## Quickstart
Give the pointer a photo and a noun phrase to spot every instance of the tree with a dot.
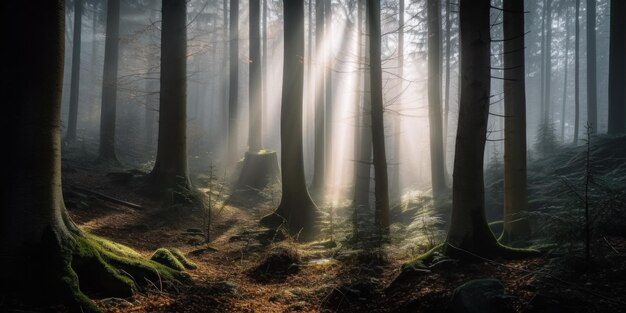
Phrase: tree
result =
(397, 123)
(296, 208)
(468, 228)
(547, 54)
(617, 69)
(363, 169)
(255, 129)
(515, 189)
(565, 77)
(592, 87)
(170, 169)
(233, 90)
(381, 191)
(109, 85)
(577, 73)
(319, 161)
(43, 251)
(437, 163)
(72, 120)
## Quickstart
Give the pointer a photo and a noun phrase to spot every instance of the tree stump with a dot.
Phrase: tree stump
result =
(259, 169)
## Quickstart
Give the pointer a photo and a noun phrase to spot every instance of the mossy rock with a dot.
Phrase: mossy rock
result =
(172, 258)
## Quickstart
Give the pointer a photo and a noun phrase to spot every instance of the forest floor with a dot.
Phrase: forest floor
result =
(327, 278)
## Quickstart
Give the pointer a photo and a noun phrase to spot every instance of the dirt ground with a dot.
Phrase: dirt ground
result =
(328, 279)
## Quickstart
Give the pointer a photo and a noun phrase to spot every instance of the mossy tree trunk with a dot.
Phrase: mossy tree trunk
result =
(109, 85)
(515, 190)
(381, 190)
(296, 207)
(43, 253)
(468, 228)
(170, 170)
(72, 120)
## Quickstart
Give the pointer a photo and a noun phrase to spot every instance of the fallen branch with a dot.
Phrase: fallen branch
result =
(108, 198)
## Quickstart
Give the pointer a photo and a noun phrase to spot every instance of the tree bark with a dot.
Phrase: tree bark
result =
(434, 100)
(547, 96)
(109, 85)
(565, 77)
(233, 88)
(397, 122)
(255, 127)
(364, 157)
(617, 69)
(577, 74)
(446, 110)
(74, 87)
(468, 228)
(516, 227)
(319, 161)
(296, 207)
(381, 191)
(592, 85)
(170, 169)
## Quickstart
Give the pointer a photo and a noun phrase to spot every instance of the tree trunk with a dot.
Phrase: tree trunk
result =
(397, 123)
(468, 228)
(319, 162)
(74, 88)
(255, 127)
(44, 250)
(233, 88)
(446, 110)
(543, 61)
(547, 96)
(329, 63)
(381, 192)
(577, 74)
(434, 100)
(364, 158)
(296, 207)
(516, 227)
(170, 170)
(567, 40)
(592, 85)
(109, 85)
(617, 69)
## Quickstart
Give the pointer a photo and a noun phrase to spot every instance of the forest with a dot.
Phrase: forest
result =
(461, 156)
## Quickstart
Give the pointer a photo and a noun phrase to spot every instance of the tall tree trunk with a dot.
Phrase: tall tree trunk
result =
(264, 82)
(329, 64)
(577, 73)
(592, 84)
(255, 128)
(74, 88)
(544, 10)
(296, 207)
(547, 96)
(434, 100)
(170, 169)
(109, 84)
(515, 189)
(233, 88)
(468, 228)
(45, 251)
(565, 77)
(364, 158)
(381, 192)
(617, 69)
(397, 123)
(319, 162)
(446, 109)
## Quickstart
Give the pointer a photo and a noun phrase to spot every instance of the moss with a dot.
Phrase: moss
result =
(426, 257)
(167, 258)
(188, 264)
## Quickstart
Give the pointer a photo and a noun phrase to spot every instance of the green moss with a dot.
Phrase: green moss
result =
(426, 257)
(167, 258)
(188, 264)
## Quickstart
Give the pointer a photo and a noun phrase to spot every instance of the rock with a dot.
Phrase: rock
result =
(224, 287)
(481, 296)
